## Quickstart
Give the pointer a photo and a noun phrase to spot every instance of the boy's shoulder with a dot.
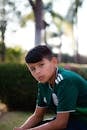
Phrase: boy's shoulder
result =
(71, 75)
(65, 72)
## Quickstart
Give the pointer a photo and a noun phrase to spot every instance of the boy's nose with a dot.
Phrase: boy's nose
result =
(37, 71)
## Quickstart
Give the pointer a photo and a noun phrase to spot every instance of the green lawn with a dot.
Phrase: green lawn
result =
(11, 119)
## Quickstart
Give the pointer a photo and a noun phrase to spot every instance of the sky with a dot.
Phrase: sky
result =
(24, 37)
(82, 29)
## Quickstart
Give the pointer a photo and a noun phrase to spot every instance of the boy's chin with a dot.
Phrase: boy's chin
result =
(43, 81)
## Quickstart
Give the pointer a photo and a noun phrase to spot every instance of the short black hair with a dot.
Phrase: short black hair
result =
(38, 53)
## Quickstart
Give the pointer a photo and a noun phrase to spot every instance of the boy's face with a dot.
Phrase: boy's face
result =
(43, 70)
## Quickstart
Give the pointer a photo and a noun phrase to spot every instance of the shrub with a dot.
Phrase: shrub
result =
(78, 69)
(17, 87)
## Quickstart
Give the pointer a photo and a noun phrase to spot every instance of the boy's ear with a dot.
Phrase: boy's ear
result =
(55, 61)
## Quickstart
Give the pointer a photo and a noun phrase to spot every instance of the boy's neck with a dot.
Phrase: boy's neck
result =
(52, 80)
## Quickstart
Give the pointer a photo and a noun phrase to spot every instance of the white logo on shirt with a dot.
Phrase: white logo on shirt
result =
(59, 78)
(45, 100)
(55, 99)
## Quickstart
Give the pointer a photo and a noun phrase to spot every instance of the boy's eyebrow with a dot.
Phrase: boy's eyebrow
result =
(36, 64)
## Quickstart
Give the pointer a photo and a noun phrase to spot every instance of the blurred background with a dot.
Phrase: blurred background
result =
(59, 24)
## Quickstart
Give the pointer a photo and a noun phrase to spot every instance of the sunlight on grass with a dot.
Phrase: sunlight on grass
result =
(12, 119)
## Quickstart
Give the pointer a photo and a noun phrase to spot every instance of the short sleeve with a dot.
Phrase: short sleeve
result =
(67, 96)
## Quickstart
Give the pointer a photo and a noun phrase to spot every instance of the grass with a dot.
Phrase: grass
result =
(12, 119)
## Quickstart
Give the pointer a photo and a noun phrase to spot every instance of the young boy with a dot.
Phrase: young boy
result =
(62, 89)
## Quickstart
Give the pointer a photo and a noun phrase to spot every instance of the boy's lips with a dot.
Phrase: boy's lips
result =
(40, 78)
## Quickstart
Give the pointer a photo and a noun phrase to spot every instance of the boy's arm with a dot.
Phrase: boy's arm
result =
(59, 123)
(33, 119)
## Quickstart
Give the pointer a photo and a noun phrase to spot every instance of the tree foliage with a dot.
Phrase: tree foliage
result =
(14, 55)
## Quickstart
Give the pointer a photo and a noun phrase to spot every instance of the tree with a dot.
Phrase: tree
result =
(3, 24)
(72, 18)
(2, 46)
(7, 7)
(2, 29)
(38, 10)
(15, 55)
(37, 7)
(69, 22)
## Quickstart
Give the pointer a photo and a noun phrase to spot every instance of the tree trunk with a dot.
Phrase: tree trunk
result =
(3, 48)
(38, 13)
(3, 52)
(38, 21)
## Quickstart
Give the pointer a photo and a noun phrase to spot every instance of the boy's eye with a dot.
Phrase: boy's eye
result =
(41, 64)
(32, 69)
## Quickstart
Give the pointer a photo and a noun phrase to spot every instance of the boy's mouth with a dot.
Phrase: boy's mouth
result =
(40, 78)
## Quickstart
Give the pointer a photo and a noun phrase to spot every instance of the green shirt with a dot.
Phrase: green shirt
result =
(69, 94)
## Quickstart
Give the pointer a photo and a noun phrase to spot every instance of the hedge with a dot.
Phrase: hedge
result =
(18, 88)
